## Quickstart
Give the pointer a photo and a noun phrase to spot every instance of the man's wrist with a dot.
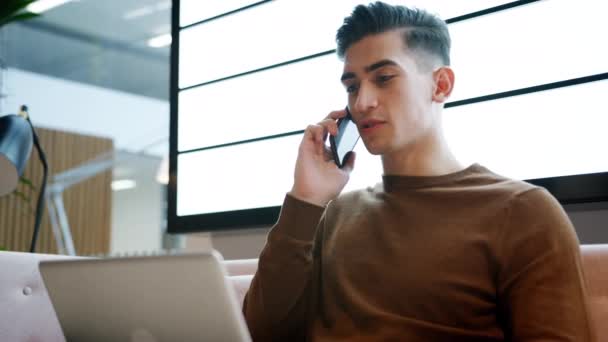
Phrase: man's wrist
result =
(314, 200)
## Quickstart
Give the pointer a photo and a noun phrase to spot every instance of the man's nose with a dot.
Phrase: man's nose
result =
(366, 99)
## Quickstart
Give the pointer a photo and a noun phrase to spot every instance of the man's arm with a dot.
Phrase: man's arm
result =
(276, 305)
(541, 288)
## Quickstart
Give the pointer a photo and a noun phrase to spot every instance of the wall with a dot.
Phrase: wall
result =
(234, 244)
(137, 213)
(590, 221)
(87, 203)
(132, 121)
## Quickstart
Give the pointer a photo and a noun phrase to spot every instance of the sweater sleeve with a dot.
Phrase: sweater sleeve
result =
(276, 305)
(541, 288)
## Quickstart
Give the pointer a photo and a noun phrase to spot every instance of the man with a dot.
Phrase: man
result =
(438, 251)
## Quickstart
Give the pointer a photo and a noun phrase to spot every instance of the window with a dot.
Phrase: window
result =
(527, 103)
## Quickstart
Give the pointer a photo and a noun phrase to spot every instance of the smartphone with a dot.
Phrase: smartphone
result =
(345, 140)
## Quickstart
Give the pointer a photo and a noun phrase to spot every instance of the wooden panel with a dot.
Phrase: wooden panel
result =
(87, 204)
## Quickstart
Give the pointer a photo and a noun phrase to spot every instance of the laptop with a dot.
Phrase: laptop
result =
(145, 299)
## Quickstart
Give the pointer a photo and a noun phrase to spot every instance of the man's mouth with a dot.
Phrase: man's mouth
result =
(370, 124)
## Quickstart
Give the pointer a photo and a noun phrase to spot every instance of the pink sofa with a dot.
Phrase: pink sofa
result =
(26, 313)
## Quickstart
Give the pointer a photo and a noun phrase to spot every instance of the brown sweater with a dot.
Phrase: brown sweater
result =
(469, 256)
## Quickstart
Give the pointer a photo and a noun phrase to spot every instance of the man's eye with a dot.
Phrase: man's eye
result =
(351, 88)
(384, 78)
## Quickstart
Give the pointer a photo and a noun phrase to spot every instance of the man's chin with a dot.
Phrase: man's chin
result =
(374, 149)
(375, 153)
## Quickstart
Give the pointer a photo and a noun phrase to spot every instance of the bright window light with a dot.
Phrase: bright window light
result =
(276, 32)
(45, 5)
(534, 44)
(192, 11)
(271, 102)
(487, 60)
(243, 176)
(252, 175)
(544, 134)
(291, 97)
(552, 133)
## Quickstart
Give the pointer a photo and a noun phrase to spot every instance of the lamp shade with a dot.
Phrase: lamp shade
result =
(15, 148)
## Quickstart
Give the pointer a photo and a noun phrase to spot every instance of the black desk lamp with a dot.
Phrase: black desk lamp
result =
(16, 136)
(15, 149)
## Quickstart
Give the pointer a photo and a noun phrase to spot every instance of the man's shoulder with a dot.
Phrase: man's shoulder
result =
(487, 182)
(480, 185)
(534, 203)
(532, 208)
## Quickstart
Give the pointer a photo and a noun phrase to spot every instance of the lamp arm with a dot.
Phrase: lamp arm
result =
(41, 194)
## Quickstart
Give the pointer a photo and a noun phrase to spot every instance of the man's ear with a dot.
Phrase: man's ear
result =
(444, 83)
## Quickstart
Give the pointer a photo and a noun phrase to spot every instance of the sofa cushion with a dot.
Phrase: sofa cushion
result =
(241, 266)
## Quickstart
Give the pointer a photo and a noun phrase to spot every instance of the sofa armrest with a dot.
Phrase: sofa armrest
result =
(241, 286)
(241, 267)
(595, 267)
(26, 311)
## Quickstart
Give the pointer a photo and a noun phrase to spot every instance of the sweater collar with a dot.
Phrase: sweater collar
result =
(398, 182)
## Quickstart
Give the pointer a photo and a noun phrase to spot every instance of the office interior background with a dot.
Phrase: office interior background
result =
(102, 69)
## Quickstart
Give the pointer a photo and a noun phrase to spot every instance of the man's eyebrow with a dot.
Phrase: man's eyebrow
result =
(369, 68)
(379, 65)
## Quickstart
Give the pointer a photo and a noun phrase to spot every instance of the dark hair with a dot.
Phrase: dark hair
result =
(423, 30)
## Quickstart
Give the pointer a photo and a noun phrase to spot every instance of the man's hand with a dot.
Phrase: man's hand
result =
(317, 178)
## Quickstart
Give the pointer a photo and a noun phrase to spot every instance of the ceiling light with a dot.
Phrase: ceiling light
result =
(140, 12)
(164, 5)
(147, 10)
(160, 41)
(123, 184)
(44, 5)
(162, 174)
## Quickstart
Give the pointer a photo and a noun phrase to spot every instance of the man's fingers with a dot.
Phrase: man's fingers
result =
(350, 162)
(330, 125)
(327, 154)
(336, 114)
(316, 133)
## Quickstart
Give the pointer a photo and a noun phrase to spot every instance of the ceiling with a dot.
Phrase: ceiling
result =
(101, 43)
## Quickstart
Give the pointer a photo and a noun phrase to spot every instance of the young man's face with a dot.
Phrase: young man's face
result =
(390, 95)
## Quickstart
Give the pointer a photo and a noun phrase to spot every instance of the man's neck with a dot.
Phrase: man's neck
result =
(428, 156)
